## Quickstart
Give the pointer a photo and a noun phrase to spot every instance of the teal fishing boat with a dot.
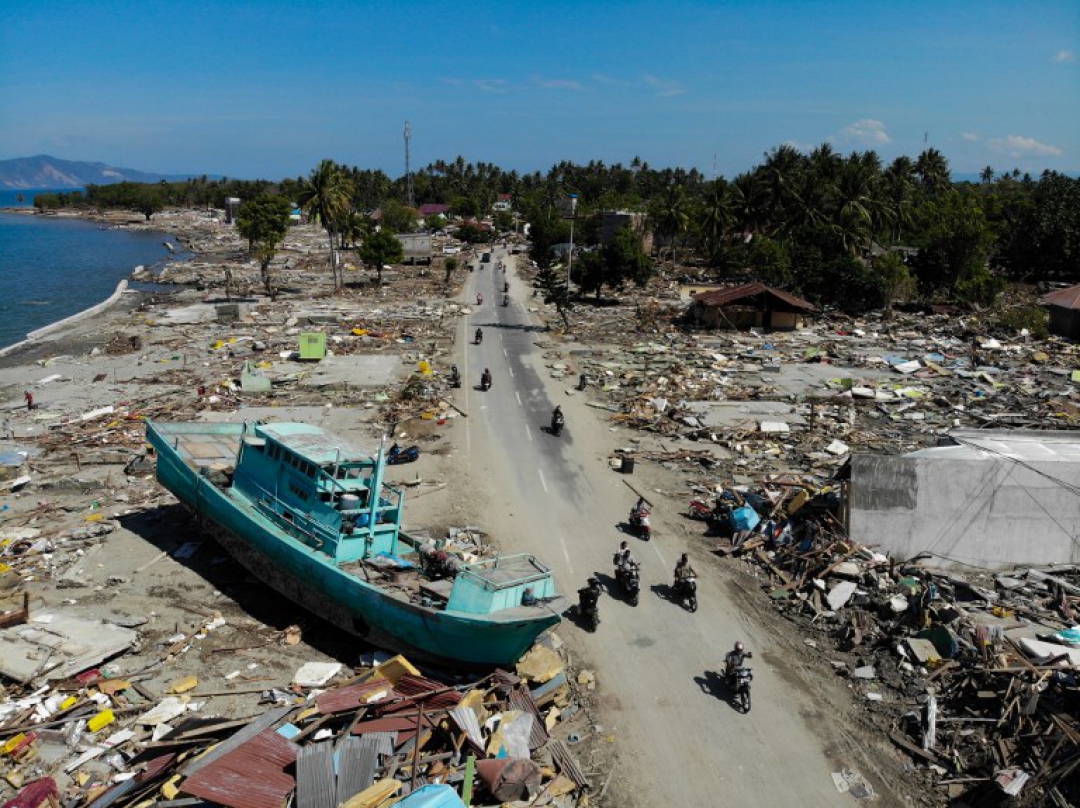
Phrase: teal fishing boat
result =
(313, 518)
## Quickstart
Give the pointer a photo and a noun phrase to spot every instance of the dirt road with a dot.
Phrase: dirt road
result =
(679, 740)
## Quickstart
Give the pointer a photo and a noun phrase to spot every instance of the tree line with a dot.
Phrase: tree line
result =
(822, 224)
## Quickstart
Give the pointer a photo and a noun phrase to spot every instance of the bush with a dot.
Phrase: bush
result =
(1034, 318)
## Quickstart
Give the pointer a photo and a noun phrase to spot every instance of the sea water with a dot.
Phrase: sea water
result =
(52, 268)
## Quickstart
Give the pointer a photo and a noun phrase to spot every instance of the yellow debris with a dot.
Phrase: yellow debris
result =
(540, 665)
(101, 720)
(375, 795)
(393, 669)
(169, 790)
(184, 685)
(7, 748)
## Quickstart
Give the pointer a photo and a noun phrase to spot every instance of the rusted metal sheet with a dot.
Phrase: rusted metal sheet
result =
(260, 724)
(251, 776)
(341, 699)
(522, 701)
(564, 759)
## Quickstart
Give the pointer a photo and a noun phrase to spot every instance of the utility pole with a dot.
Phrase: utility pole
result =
(570, 259)
(408, 174)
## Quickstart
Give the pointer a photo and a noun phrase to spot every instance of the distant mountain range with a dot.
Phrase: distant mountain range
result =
(44, 171)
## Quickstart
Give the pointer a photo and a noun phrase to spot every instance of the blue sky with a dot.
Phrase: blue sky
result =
(268, 89)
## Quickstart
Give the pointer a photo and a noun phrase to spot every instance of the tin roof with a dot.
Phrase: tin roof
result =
(251, 776)
(736, 294)
(1064, 298)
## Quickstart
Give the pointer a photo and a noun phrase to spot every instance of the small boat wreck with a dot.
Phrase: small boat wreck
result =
(312, 517)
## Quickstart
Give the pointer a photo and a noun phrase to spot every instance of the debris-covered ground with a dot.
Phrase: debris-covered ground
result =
(960, 673)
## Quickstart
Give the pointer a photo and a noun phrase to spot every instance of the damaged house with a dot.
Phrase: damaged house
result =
(985, 498)
(751, 305)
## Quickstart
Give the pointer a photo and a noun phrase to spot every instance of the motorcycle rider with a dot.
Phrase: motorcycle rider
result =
(623, 557)
(589, 597)
(479, 299)
(479, 336)
(639, 509)
(734, 659)
(455, 376)
(485, 379)
(683, 571)
(557, 419)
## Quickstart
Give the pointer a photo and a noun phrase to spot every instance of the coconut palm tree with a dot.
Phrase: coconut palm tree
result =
(670, 216)
(748, 201)
(933, 171)
(326, 194)
(717, 216)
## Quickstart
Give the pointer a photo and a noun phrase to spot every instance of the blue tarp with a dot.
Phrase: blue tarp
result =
(744, 518)
(432, 797)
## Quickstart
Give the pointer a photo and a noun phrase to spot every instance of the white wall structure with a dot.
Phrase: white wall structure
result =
(992, 499)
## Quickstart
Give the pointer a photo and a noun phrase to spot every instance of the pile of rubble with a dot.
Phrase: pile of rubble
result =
(974, 676)
(333, 737)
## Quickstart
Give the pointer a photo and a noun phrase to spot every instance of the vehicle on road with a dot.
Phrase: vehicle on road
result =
(558, 421)
(485, 380)
(686, 592)
(640, 522)
(588, 605)
(629, 578)
(739, 684)
(478, 337)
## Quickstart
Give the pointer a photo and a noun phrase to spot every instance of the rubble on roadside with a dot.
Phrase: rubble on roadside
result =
(974, 676)
(331, 736)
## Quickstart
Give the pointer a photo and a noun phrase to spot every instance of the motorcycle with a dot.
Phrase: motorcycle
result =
(588, 608)
(702, 512)
(506, 300)
(686, 593)
(455, 379)
(479, 337)
(396, 456)
(739, 684)
(485, 382)
(630, 580)
(640, 524)
(557, 424)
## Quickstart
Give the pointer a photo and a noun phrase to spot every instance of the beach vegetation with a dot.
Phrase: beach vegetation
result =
(264, 221)
(380, 250)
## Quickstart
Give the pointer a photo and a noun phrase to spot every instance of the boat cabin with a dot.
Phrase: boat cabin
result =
(497, 584)
(319, 489)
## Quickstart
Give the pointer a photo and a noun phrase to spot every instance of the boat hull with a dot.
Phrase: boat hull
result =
(313, 581)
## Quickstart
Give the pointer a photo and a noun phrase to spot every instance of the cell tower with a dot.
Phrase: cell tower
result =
(408, 174)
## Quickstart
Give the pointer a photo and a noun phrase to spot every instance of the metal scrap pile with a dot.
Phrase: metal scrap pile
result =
(331, 738)
(974, 676)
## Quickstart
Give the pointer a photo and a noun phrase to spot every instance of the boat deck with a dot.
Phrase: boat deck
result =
(216, 450)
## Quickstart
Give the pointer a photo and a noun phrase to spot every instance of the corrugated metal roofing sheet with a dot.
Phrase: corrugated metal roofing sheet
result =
(723, 297)
(340, 699)
(1065, 298)
(315, 779)
(251, 776)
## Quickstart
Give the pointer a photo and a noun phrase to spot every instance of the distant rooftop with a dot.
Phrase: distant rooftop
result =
(1065, 298)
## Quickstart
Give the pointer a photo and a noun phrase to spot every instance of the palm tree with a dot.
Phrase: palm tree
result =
(933, 171)
(326, 194)
(670, 216)
(987, 175)
(780, 173)
(717, 216)
(748, 201)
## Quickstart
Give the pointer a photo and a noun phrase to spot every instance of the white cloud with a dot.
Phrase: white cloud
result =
(559, 84)
(1063, 56)
(664, 88)
(865, 132)
(1019, 146)
(491, 85)
(970, 137)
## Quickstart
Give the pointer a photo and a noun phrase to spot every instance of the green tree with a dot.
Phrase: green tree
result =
(956, 242)
(933, 171)
(148, 200)
(449, 267)
(380, 249)
(264, 221)
(896, 280)
(326, 194)
(398, 217)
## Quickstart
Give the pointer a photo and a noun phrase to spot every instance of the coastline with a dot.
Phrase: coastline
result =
(60, 325)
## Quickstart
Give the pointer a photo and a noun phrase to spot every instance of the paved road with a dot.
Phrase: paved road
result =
(679, 741)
